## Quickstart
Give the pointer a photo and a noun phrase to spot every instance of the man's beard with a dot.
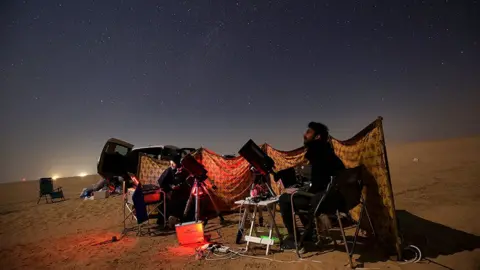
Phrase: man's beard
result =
(311, 143)
(307, 142)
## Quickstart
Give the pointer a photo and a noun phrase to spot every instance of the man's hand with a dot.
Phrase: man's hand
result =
(303, 193)
(290, 190)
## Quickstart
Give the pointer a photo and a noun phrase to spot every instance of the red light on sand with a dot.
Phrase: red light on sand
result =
(190, 233)
(24, 179)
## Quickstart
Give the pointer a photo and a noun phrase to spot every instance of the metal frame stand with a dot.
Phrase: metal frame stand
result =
(130, 214)
(197, 185)
(270, 206)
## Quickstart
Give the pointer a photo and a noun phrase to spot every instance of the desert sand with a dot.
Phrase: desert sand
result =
(437, 199)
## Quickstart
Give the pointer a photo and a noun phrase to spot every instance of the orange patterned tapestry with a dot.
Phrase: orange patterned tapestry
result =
(233, 176)
(150, 169)
(367, 148)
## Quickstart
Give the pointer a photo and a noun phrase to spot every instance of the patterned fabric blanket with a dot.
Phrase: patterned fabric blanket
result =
(233, 177)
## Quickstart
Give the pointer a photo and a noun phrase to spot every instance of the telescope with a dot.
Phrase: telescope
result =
(260, 162)
(194, 168)
(257, 158)
(198, 172)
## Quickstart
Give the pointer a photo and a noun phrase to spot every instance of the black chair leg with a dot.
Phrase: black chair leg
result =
(357, 230)
(295, 233)
(369, 221)
(299, 244)
(344, 239)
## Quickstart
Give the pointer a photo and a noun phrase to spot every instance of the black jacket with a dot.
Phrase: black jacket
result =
(325, 164)
(167, 179)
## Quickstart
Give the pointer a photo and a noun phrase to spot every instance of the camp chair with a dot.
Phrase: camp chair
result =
(350, 186)
(140, 206)
(47, 190)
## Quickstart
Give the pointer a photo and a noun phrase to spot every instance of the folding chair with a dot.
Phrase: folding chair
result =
(47, 190)
(349, 185)
(140, 206)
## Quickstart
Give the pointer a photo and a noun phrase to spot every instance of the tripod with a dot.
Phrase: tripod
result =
(198, 188)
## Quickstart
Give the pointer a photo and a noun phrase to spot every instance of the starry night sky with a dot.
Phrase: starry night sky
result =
(216, 73)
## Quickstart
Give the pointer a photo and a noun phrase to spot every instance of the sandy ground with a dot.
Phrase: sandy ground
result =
(437, 201)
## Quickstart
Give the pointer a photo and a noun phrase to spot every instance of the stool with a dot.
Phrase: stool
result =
(270, 205)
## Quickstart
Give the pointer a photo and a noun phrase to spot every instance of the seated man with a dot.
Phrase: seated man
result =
(170, 181)
(325, 164)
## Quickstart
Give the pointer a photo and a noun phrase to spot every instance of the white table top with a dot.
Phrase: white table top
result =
(248, 201)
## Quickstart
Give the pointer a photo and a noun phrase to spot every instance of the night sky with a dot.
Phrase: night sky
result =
(216, 73)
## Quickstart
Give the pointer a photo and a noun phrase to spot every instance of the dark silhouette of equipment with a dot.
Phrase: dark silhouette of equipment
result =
(199, 175)
(257, 158)
(262, 164)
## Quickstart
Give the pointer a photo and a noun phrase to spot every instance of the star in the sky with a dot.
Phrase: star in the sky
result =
(160, 52)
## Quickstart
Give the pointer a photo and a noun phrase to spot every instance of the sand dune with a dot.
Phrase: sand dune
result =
(437, 199)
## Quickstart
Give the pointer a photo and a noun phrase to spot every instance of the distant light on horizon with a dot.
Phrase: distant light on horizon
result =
(82, 174)
(55, 177)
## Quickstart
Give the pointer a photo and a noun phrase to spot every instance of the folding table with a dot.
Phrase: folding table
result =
(270, 205)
